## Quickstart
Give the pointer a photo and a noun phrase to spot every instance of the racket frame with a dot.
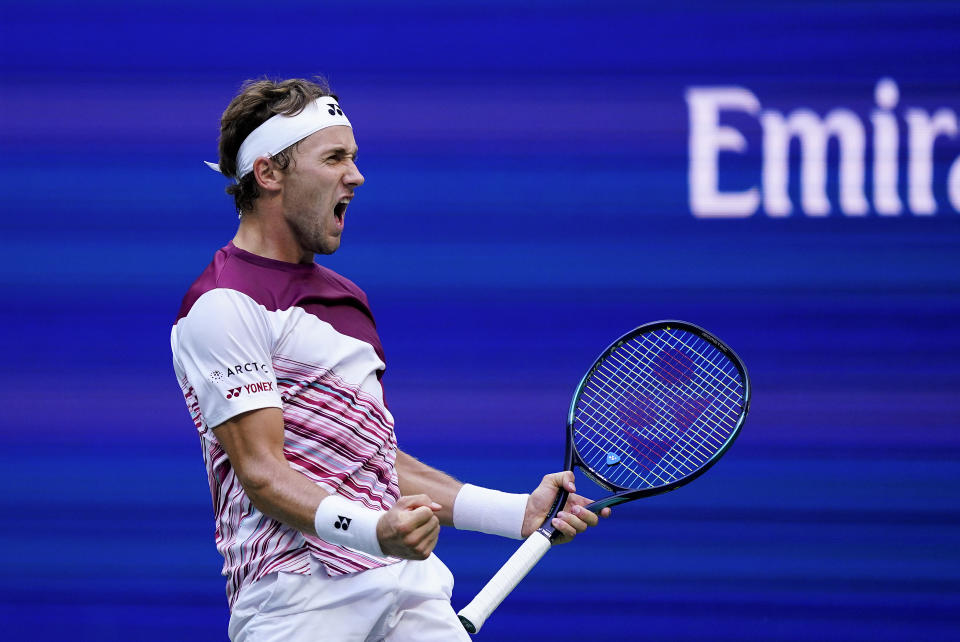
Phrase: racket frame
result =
(536, 545)
(621, 494)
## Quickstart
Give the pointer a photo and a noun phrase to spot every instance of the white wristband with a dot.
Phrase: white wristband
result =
(340, 521)
(489, 511)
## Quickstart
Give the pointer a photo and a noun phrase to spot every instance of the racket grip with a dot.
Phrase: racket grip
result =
(473, 615)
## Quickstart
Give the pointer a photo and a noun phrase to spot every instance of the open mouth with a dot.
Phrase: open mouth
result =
(339, 210)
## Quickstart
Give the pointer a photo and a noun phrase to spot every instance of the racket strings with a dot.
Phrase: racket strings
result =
(614, 414)
(730, 374)
(712, 379)
(614, 441)
(629, 382)
(651, 452)
(692, 409)
(681, 433)
(604, 415)
(641, 403)
(686, 410)
(653, 457)
(650, 385)
(603, 449)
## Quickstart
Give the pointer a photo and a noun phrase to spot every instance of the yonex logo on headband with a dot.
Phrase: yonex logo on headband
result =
(280, 132)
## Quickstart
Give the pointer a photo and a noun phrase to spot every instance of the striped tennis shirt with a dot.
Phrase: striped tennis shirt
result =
(258, 333)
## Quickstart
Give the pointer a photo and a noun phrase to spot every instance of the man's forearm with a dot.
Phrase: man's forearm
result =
(287, 496)
(416, 477)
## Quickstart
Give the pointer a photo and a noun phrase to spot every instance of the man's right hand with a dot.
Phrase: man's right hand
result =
(410, 529)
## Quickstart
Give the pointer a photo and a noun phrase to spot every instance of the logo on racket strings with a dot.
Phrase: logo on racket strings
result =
(654, 426)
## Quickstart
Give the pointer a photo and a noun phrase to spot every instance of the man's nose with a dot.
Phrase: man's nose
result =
(353, 176)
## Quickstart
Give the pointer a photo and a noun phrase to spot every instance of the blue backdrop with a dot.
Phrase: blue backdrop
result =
(541, 177)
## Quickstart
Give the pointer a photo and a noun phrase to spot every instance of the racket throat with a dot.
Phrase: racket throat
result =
(546, 529)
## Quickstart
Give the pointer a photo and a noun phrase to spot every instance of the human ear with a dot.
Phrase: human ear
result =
(266, 174)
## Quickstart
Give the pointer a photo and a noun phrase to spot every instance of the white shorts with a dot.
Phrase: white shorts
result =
(406, 601)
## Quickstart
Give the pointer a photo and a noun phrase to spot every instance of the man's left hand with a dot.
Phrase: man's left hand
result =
(572, 519)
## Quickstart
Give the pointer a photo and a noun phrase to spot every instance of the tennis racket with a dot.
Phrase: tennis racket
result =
(654, 412)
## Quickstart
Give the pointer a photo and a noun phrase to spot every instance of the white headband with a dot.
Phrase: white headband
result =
(279, 132)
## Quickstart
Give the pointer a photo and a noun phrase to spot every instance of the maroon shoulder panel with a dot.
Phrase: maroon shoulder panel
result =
(278, 285)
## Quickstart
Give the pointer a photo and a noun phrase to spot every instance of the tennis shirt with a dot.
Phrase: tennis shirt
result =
(255, 333)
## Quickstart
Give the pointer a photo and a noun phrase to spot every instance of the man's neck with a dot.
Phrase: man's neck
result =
(263, 232)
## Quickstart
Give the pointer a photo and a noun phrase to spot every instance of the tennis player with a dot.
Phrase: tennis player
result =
(326, 527)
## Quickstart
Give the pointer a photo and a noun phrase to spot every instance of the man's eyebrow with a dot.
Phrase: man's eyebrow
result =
(340, 149)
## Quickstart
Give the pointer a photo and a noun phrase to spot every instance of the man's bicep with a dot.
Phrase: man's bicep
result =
(253, 441)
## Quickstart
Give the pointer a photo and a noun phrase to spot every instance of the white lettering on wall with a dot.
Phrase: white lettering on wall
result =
(953, 184)
(924, 130)
(886, 146)
(708, 138)
(813, 133)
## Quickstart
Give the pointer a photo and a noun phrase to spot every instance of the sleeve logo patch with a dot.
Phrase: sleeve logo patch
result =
(342, 522)
(251, 366)
(250, 389)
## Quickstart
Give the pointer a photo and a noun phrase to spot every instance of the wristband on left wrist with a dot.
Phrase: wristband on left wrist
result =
(490, 511)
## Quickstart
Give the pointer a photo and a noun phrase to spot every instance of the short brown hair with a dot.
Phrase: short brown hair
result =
(258, 101)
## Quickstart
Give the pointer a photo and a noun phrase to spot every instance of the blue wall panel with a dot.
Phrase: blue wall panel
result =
(529, 172)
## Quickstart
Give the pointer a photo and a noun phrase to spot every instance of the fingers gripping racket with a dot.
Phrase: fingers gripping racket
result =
(654, 412)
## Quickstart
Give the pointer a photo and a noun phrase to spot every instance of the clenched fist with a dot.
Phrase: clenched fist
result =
(410, 529)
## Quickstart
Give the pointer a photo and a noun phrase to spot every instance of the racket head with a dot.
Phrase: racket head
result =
(656, 410)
